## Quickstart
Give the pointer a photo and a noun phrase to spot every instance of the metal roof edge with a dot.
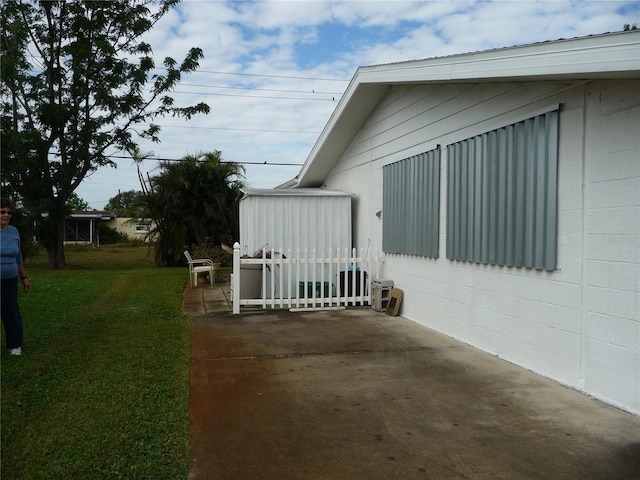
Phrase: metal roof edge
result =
(592, 55)
(95, 214)
(497, 50)
(369, 83)
(293, 192)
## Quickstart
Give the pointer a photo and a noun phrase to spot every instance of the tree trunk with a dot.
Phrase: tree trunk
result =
(55, 243)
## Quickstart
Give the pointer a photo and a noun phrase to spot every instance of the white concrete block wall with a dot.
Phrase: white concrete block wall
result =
(611, 309)
(577, 325)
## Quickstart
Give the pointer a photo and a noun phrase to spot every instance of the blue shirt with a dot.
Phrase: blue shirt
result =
(10, 254)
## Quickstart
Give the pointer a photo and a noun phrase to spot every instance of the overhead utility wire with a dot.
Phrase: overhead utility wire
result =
(191, 127)
(42, 66)
(257, 96)
(272, 76)
(159, 159)
(259, 130)
(318, 92)
(263, 89)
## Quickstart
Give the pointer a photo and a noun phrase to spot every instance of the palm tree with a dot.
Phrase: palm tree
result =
(193, 201)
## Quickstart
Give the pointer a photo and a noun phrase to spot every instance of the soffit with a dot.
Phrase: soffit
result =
(615, 55)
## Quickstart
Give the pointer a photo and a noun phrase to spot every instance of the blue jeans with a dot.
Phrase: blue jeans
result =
(10, 312)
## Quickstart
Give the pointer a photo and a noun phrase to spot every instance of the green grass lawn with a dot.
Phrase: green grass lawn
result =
(101, 390)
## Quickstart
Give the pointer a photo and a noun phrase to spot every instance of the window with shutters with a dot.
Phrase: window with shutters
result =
(411, 204)
(502, 195)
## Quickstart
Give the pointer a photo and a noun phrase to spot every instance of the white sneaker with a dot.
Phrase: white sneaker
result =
(15, 351)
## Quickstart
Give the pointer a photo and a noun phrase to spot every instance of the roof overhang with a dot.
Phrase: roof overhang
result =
(611, 55)
(293, 192)
(96, 215)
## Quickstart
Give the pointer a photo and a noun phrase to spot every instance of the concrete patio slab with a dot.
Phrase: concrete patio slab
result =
(356, 394)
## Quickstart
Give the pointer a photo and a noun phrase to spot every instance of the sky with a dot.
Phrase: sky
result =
(274, 71)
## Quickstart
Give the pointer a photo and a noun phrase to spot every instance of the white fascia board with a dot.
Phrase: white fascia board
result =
(613, 55)
(591, 57)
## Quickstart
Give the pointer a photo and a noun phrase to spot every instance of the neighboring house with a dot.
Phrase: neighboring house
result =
(132, 228)
(82, 227)
(504, 187)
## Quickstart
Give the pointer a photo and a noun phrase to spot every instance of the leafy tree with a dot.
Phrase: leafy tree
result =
(194, 202)
(131, 203)
(75, 203)
(77, 82)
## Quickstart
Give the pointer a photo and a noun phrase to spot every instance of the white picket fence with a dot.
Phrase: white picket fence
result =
(303, 279)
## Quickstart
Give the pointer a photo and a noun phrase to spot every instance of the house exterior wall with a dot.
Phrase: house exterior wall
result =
(579, 324)
(127, 226)
(611, 242)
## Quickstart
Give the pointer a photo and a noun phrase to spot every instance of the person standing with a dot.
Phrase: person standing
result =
(11, 269)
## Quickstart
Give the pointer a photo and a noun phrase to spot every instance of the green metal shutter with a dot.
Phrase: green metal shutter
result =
(502, 195)
(411, 205)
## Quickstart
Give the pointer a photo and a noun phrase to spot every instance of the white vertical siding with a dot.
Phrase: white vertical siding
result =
(280, 221)
(579, 324)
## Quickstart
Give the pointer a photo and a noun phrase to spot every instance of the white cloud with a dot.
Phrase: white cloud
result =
(264, 40)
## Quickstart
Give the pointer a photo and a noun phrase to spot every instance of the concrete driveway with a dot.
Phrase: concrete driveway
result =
(356, 394)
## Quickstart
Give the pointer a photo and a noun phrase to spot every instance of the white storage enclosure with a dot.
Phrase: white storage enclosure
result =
(301, 218)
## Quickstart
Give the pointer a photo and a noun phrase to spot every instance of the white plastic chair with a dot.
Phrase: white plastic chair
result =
(198, 265)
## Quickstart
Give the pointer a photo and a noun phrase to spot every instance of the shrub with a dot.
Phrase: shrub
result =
(109, 236)
(214, 252)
